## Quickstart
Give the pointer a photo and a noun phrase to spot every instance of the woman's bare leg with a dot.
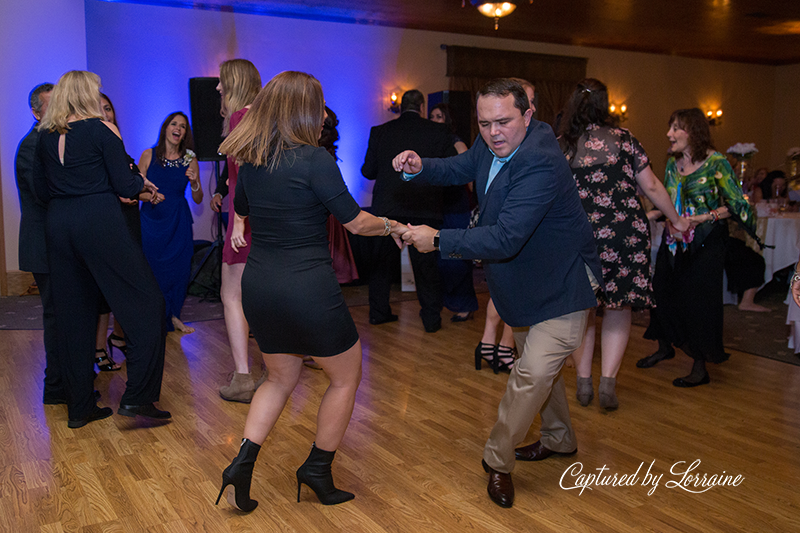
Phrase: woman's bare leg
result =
(270, 398)
(336, 408)
(235, 322)
(614, 339)
(102, 331)
(490, 327)
(585, 353)
(747, 303)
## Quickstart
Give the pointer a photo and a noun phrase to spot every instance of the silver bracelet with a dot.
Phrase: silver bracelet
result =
(198, 187)
(387, 226)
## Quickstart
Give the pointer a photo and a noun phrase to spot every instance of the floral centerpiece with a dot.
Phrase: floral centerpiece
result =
(792, 159)
(743, 152)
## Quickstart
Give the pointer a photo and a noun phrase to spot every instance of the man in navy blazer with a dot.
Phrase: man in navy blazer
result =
(541, 264)
(32, 247)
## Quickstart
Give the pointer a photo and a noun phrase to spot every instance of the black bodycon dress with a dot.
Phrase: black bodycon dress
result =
(290, 295)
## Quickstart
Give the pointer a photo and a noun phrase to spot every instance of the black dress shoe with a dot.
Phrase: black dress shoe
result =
(148, 411)
(500, 488)
(653, 360)
(537, 452)
(378, 322)
(98, 413)
(462, 318)
(433, 328)
(685, 383)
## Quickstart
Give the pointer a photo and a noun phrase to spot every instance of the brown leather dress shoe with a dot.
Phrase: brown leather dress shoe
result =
(537, 452)
(501, 488)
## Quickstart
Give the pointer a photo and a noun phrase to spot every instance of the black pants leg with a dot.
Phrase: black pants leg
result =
(54, 388)
(91, 251)
(429, 286)
(387, 256)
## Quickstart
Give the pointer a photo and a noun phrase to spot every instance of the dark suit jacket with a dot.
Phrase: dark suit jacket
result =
(391, 196)
(32, 247)
(533, 234)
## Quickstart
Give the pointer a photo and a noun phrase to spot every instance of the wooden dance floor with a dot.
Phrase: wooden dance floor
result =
(412, 453)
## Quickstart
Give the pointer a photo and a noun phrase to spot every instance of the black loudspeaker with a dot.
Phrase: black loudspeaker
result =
(461, 110)
(206, 118)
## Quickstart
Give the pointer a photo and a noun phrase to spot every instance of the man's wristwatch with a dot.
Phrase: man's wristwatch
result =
(436, 241)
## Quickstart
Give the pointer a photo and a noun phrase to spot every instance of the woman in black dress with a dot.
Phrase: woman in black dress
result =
(286, 187)
(80, 171)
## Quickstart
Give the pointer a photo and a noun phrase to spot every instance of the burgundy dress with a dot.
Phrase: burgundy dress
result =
(228, 255)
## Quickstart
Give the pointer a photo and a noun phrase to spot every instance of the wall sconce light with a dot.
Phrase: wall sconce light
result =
(620, 112)
(394, 104)
(495, 10)
(714, 117)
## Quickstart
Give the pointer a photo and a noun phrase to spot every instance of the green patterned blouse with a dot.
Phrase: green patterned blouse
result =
(709, 187)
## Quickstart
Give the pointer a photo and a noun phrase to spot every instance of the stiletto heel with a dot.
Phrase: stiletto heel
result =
(123, 348)
(484, 351)
(240, 474)
(316, 473)
(504, 358)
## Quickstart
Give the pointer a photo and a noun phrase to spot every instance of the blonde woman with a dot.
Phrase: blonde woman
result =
(292, 301)
(80, 171)
(239, 83)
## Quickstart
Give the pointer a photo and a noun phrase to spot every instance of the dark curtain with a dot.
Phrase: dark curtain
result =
(555, 77)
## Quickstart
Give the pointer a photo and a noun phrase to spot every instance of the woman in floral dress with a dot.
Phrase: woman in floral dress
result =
(688, 277)
(608, 164)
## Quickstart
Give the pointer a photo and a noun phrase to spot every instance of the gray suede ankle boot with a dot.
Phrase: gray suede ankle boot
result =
(585, 391)
(608, 393)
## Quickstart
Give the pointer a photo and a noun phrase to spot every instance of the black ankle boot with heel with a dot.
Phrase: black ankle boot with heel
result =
(239, 475)
(316, 473)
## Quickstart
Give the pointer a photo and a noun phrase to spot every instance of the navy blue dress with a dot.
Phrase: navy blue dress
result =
(167, 233)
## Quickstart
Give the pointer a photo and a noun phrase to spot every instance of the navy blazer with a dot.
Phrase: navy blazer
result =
(533, 234)
(32, 246)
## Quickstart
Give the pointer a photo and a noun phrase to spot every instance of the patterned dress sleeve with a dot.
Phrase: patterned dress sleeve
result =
(641, 161)
(729, 189)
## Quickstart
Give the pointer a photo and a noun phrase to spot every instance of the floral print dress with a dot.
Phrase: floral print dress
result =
(604, 166)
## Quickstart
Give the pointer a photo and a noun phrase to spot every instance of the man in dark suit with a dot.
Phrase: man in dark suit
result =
(32, 248)
(540, 260)
(408, 203)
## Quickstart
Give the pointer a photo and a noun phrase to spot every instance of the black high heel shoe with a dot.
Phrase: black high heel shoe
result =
(240, 474)
(487, 352)
(121, 347)
(504, 358)
(104, 362)
(316, 473)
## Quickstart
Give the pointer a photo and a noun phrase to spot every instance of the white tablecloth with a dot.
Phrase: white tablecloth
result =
(783, 232)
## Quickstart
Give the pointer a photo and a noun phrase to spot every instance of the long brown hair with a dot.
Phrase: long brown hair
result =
(76, 93)
(694, 122)
(588, 104)
(240, 82)
(287, 113)
(187, 143)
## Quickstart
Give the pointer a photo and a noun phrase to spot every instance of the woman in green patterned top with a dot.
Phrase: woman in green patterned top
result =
(688, 280)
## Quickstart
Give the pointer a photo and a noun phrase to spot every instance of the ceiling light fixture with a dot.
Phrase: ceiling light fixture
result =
(494, 10)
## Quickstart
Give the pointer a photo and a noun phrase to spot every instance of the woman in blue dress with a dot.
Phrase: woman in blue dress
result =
(167, 226)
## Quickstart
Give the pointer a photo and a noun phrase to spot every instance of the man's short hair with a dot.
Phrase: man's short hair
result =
(412, 100)
(34, 100)
(502, 87)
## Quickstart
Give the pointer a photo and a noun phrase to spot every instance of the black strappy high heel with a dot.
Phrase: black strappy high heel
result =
(487, 352)
(104, 362)
(504, 358)
(122, 348)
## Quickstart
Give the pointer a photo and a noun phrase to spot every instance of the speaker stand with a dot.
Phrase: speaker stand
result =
(214, 250)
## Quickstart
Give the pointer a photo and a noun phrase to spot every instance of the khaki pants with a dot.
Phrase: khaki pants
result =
(537, 386)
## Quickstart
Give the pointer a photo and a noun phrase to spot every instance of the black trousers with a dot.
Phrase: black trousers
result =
(54, 388)
(426, 277)
(91, 252)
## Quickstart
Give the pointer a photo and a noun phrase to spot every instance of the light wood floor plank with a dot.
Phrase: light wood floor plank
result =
(413, 450)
